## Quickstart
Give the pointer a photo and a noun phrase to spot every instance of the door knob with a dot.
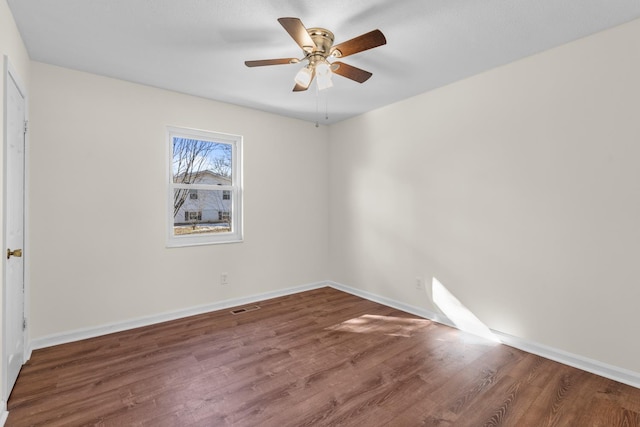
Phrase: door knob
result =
(15, 252)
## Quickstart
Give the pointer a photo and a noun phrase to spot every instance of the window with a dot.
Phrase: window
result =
(205, 187)
(192, 216)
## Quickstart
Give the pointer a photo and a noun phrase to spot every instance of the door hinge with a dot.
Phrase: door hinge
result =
(24, 324)
(26, 126)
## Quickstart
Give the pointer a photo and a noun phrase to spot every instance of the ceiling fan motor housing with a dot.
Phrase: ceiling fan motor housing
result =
(323, 39)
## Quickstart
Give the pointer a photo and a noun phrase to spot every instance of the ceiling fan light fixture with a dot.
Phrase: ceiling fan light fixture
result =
(303, 77)
(323, 68)
(323, 75)
(324, 81)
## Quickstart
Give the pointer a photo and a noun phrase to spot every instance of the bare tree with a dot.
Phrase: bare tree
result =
(222, 165)
(190, 158)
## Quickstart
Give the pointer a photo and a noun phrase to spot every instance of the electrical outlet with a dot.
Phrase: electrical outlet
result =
(224, 278)
(419, 284)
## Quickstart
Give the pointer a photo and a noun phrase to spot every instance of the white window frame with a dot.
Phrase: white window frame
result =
(233, 236)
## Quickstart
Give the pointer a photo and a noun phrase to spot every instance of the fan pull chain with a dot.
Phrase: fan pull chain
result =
(326, 106)
(317, 108)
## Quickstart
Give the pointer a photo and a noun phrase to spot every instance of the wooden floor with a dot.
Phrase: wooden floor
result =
(318, 358)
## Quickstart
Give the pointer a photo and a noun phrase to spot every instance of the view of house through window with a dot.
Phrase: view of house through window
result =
(205, 190)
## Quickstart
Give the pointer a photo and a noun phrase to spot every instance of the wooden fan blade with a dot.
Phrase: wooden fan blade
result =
(298, 33)
(366, 41)
(349, 71)
(263, 62)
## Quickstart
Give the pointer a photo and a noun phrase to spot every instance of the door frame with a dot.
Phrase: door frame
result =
(9, 73)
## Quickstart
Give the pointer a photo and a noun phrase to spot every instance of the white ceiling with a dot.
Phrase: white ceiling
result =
(199, 47)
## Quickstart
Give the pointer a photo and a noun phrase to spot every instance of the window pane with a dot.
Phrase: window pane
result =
(209, 213)
(205, 187)
(201, 162)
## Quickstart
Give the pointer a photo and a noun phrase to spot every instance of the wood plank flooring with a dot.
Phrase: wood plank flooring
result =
(317, 358)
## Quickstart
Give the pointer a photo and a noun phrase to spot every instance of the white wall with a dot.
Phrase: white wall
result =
(518, 189)
(11, 45)
(98, 203)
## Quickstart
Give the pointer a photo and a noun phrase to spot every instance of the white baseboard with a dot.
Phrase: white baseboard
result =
(596, 367)
(81, 334)
(3, 413)
(418, 311)
(590, 365)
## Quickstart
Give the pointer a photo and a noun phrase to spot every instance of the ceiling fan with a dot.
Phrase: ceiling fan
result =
(317, 47)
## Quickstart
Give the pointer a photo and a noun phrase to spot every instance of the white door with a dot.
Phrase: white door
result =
(13, 347)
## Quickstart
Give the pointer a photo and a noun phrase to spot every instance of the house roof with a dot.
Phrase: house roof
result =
(210, 174)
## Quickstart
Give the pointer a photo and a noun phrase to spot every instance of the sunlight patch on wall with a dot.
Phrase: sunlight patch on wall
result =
(460, 315)
(385, 325)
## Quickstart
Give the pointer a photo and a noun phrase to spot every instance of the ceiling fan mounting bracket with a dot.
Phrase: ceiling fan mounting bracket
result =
(323, 39)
